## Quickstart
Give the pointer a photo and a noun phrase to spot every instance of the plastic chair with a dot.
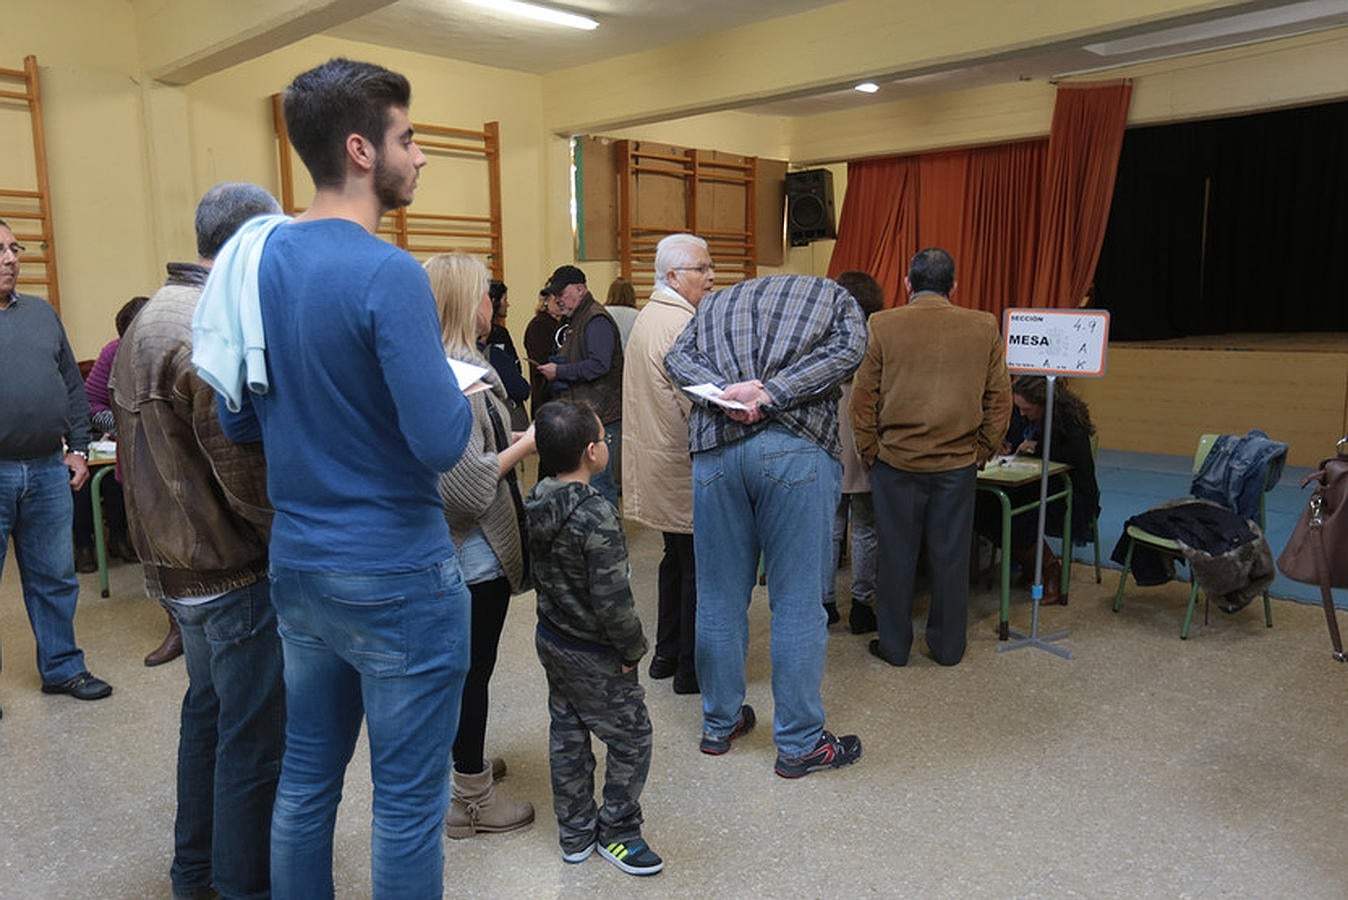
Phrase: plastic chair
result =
(1171, 548)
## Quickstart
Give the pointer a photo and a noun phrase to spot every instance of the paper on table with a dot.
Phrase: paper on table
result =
(712, 394)
(465, 373)
(1013, 460)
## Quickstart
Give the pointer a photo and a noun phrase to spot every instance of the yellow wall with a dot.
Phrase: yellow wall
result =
(86, 53)
(129, 157)
(231, 139)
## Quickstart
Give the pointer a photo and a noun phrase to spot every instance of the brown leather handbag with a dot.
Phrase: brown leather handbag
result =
(1317, 552)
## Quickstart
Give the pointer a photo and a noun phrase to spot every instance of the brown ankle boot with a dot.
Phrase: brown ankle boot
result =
(475, 806)
(1052, 580)
(170, 649)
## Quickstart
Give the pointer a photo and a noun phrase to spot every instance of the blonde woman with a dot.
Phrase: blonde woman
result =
(482, 506)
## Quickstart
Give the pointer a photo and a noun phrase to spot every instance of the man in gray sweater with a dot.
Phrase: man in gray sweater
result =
(44, 442)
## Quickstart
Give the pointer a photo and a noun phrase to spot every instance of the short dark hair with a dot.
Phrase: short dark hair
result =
(224, 208)
(562, 431)
(339, 98)
(865, 289)
(496, 290)
(932, 270)
(128, 312)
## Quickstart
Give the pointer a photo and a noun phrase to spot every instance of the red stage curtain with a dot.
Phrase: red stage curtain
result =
(994, 258)
(1083, 158)
(1024, 221)
(877, 231)
(980, 204)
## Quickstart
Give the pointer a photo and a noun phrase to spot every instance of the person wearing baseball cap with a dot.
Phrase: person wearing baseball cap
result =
(589, 365)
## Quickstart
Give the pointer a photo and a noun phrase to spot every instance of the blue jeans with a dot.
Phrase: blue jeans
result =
(36, 510)
(863, 547)
(393, 649)
(605, 482)
(772, 492)
(231, 736)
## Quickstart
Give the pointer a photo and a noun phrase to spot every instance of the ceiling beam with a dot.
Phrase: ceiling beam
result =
(183, 40)
(836, 46)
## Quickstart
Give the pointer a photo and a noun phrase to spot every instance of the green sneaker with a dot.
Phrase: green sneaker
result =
(635, 857)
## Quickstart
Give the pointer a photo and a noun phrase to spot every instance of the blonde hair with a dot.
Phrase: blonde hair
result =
(458, 282)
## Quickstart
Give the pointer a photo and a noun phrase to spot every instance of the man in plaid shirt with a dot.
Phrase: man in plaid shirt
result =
(766, 479)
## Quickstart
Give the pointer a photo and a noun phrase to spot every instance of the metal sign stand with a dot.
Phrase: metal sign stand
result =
(1034, 638)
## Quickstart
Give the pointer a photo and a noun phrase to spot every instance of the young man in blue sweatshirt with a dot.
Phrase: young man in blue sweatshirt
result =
(358, 414)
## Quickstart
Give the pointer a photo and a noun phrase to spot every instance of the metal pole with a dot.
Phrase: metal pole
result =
(1033, 639)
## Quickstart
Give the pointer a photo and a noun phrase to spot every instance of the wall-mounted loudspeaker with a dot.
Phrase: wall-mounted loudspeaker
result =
(809, 206)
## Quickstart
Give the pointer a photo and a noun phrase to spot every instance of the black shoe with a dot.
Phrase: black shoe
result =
(862, 618)
(686, 683)
(122, 549)
(874, 648)
(832, 610)
(663, 668)
(715, 746)
(83, 686)
(830, 753)
(86, 560)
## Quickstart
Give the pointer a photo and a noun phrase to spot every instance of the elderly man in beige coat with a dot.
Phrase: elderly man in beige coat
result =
(658, 476)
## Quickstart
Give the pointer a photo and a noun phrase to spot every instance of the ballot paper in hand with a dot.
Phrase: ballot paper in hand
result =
(712, 394)
(467, 375)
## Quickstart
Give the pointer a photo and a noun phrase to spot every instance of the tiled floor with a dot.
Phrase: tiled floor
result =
(1145, 767)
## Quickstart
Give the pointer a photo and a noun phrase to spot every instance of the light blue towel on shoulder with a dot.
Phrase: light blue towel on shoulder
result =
(229, 349)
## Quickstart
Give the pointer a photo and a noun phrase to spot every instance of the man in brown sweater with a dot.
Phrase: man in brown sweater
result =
(930, 404)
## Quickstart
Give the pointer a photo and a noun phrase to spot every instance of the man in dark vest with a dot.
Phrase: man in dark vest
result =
(589, 366)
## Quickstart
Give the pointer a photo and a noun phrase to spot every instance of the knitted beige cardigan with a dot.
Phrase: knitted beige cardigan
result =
(474, 493)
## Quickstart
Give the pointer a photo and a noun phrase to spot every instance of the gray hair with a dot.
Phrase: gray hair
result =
(675, 250)
(224, 208)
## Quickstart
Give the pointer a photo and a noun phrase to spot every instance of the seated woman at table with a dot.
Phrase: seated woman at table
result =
(483, 507)
(1071, 444)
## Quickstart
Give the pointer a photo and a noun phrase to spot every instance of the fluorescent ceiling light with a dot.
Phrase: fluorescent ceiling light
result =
(867, 87)
(539, 13)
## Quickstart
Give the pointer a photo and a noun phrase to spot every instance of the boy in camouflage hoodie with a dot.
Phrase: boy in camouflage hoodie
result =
(589, 641)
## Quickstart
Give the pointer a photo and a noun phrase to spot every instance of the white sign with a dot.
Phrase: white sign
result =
(1056, 341)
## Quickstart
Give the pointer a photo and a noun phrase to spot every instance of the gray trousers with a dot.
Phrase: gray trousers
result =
(589, 694)
(940, 507)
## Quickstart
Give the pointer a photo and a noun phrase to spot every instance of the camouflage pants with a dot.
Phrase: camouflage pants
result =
(587, 693)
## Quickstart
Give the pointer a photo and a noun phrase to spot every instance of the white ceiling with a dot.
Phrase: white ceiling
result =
(459, 30)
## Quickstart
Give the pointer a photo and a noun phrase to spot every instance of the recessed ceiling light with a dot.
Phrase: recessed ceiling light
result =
(539, 13)
(867, 87)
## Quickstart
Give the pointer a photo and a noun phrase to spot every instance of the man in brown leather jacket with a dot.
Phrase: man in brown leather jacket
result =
(200, 523)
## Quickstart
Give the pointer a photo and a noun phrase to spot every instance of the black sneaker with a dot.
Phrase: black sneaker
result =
(635, 857)
(715, 746)
(862, 618)
(83, 686)
(832, 610)
(578, 856)
(830, 753)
